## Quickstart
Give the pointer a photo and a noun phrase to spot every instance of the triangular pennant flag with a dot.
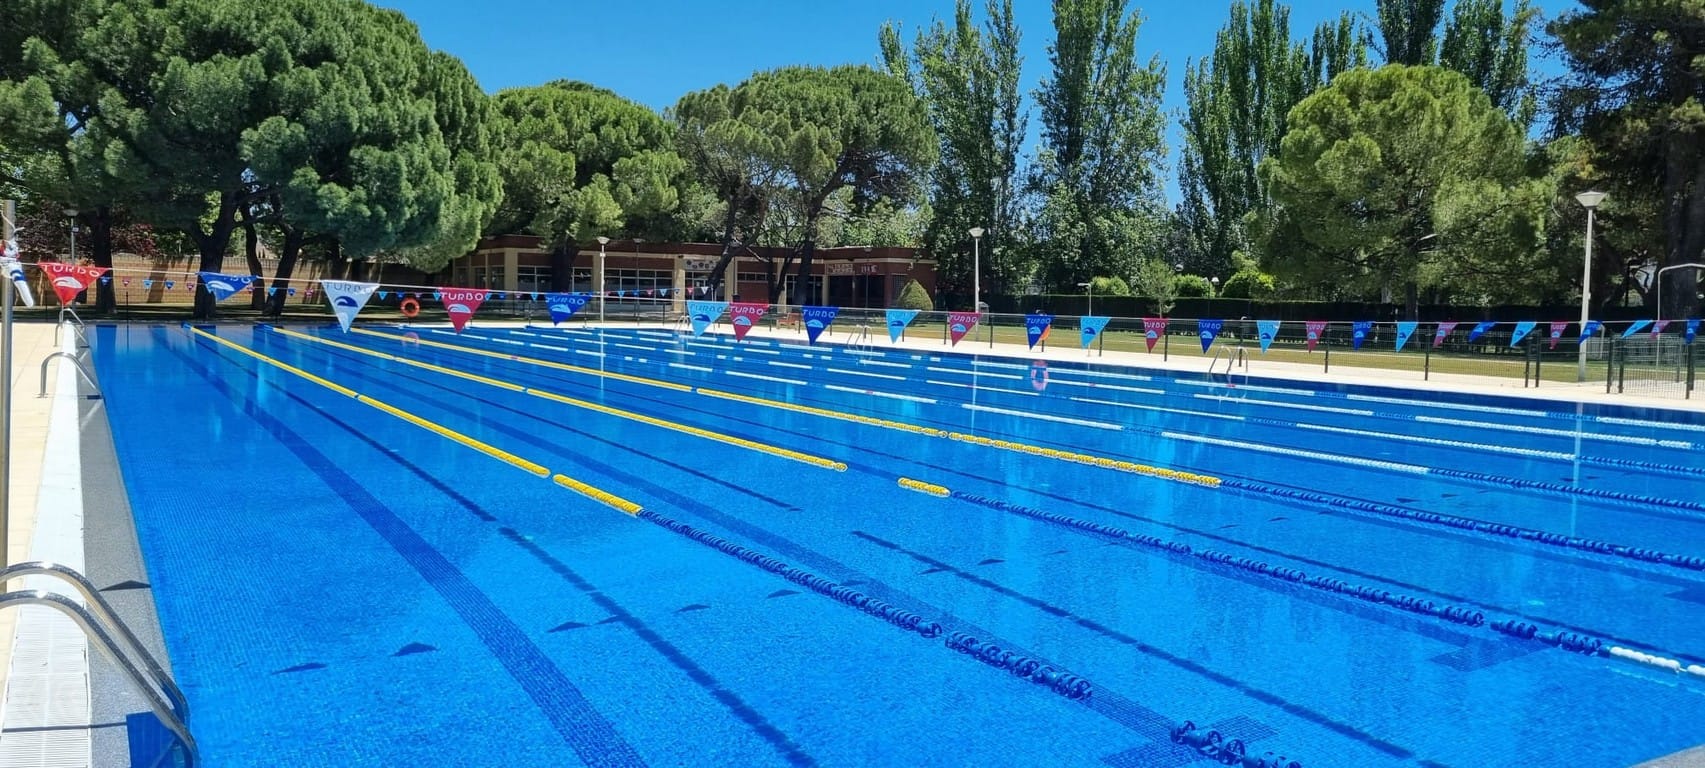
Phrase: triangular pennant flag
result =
(461, 304)
(347, 299)
(502, 295)
(1659, 327)
(1557, 332)
(1035, 326)
(1090, 327)
(1523, 328)
(745, 314)
(106, 281)
(1405, 329)
(1268, 330)
(961, 323)
(1636, 327)
(223, 286)
(147, 283)
(1591, 328)
(1209, 330)
(1692, 330)
(68, 280)
(382, 295)
(272, 290)
(817, 320)
(291, 291)
(1443, 331)
(126, 282)
(562, 306)
(703, 313)
(898, 319)
(1312, 329)
(1479, 330)
(1359, 333)
(1153, 327)
(170, 284)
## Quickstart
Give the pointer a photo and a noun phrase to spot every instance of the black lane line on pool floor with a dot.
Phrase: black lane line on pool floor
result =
(1127, 712)
(1422, 628)
(785, 746)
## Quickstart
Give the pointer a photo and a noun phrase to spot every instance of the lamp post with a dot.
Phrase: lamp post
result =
(976, 269)
(1089, 292)
(1660, 280)
(599, 280)
(1590, 201)
(71, 213)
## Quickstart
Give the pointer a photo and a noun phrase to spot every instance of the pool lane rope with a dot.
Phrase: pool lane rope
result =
(1569, 641)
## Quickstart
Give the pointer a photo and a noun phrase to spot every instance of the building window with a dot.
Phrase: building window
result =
(532, 279)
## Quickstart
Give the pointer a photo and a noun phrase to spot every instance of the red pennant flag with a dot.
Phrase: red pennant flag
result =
(70, 279)
(1314, 329)
(744, 314)
(461, 303)
(1153, 327)
(961, 323)
(1443, 331)
(1658, 327)
(1557, 332)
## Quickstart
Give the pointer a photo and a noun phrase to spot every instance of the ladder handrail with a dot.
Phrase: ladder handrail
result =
(104, 611)
(103, 640)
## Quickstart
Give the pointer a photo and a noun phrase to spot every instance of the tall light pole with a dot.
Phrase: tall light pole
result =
(976, 269)
(1590, 201)
(1089, 291)
(599, 281)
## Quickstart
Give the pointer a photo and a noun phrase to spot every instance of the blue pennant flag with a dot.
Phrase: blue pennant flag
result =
(1209, 330)
(106, 281)
(1036, 326)
(663, 292)
(170, 284)
(1090, 327)
(1480, 330)
(1591, 328)
(1359, 333)
(272, 290)
(564, 305)
(222, 286)
(1405, 329)
(1692, 330)
(1268, 329)
(898, 319)
(438, 295)
(703, 313)
(1523, 328)
(1638, 326)
(147, 283)
(382, 294)
(817, 320)
(291, 291)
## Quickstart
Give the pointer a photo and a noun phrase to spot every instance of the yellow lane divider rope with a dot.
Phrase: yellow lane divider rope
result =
(488, 449)
(804, 458)
(533, 361)
(923, 487)
(1090, 459)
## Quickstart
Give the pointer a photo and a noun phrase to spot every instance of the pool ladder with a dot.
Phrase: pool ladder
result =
(108, 633)
(860, 338)
(1234, 358)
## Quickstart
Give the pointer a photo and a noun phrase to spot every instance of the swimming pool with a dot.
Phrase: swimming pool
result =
(830, 542)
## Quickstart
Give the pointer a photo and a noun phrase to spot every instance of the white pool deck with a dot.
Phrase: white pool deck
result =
(44, 708)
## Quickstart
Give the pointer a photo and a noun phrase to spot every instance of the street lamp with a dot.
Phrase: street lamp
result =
(1660, 280)
(976, 269)
(1590, 201)
(599, 280)
(1089, 291)
(71, 213)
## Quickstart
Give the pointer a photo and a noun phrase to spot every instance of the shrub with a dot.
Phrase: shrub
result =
(913, 296)
(1249, 284)
(1110, 286)
(1194, 287)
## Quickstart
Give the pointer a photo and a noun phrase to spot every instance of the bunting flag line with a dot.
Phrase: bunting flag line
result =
(817, 320)
(68, 280)
(1591, 328)
(222, 286)
(1557, 332)
(703, 313)
(1479, 330)
(961, 323)
(15, 270)
(1209, 330)
(1443, 331)
(1089, 327)
(1523, 328)
(1036, 326)
(1359, 333)
(898, 319)
(1312, 329)
(1405, 329)
(1692, 330)
(562, 306)
(1153, 327)
(1268, 329)
(745, 314)
(1659, 327)
(460, 304)
(347, 298)
(1636, 327)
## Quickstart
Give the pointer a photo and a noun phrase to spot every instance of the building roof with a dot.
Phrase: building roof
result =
(850, 252)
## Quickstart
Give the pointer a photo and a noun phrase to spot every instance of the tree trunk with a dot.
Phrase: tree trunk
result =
(562, 267)
(251, 249)
(211, 245)
(803, 281)
(291, 248)
(1411, 302)
(100, 247)
(358, 270)
(721, 269)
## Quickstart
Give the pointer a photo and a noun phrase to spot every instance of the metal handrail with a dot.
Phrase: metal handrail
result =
(93, 628)
(76, 325)
(78, 364)
(104, 611)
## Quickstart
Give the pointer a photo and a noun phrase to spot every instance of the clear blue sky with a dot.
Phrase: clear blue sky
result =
(653, 51)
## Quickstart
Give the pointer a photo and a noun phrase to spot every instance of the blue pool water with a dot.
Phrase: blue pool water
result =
(1338, 577)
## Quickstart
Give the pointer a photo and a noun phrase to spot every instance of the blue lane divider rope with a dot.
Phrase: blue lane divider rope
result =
(1211, 745)
(1064, 683)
